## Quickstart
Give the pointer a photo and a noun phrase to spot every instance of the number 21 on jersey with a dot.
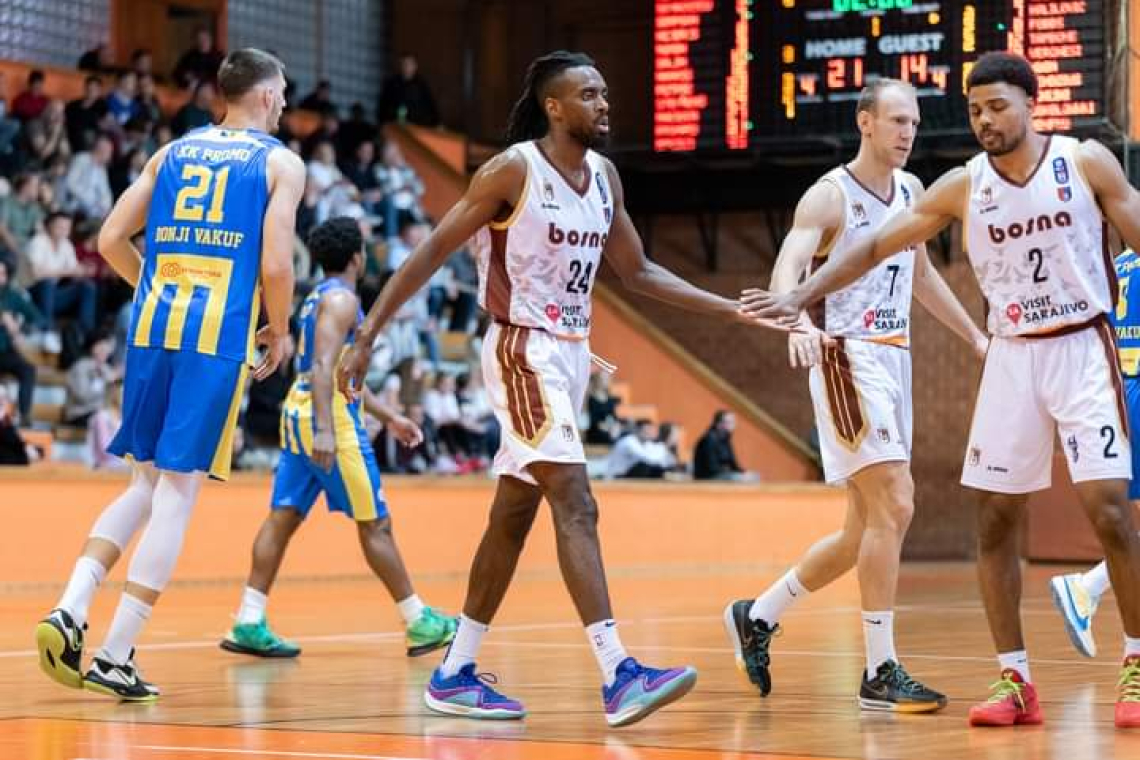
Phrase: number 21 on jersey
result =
(200, 181)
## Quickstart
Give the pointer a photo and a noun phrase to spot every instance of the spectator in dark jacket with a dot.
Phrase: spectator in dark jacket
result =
(714, 458)
(407, 97)
(199, 64)
(17, 316)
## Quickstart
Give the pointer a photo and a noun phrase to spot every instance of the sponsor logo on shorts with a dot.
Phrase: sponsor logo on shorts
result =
(568, 432)
(884, 435)
(997, 468)
(975, 456)
(1074, 448)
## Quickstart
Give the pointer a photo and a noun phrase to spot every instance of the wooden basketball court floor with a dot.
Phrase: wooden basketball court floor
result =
(353, 695)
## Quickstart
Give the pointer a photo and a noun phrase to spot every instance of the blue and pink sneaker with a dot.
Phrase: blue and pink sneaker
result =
(638, 691)
(470, 695)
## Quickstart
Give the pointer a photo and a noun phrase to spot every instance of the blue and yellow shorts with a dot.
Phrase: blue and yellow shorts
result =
(352, 486)
(179, 410)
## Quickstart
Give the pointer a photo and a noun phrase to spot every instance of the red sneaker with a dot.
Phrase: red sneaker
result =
(1128, 699)
(1013, 703)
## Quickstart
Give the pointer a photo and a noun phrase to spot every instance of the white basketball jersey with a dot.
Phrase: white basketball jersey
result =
(875, 307)
(1038, 249)
(537, 268)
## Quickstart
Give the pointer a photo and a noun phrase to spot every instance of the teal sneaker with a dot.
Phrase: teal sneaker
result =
(259, 640)
(430, 632)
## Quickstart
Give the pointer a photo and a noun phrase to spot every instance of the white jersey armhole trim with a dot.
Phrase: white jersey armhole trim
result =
(510, 220)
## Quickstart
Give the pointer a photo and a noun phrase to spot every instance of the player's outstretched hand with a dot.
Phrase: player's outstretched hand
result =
(405, 431)
(324, 449)
(278, 348)
(782, 309)
(806, 344)
(351, 370)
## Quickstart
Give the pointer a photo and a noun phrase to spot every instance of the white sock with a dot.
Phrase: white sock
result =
(1131, 646)
(252, 608)
(129, 619)
(80, 590)
(1018, 661)
(770, 605)
(878, 640)
(410, 609)
(1096, 581)
(607, 646)
(465, 647)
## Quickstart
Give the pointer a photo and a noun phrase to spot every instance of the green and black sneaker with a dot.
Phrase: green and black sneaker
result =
(430, 632)
(259, 640)
(750, 642)
(893, 690)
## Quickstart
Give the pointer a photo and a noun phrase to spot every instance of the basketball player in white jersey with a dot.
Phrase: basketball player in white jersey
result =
(1033, 207)
(861, 394)
(543, 213)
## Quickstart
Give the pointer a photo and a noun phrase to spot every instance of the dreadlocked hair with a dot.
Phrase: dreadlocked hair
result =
(528, 118)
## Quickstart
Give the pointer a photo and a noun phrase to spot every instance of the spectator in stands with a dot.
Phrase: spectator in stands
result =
(87, 116)
(425, 457)
(199, 64)
(13, 449)
(638, 454)
(18, 319)
(714, 458)
(89, 378)
(355, 130)
(335, 195)
(402, 190)
(669, 438)
(410, 234)
(21, 217)
(87, 186)
(46, 136)
(101, 428)
(361, 172)
(97, 59)
(198, 112)
(9, 126)
(406, 96)
(462, 290)
(162, 134)
(142, 63)
(605, 426)
(121, 103)
(31, 102)
(149, 107)
(127, 170)
(441, 404)
(328, 131)
(60, 285)
(320, 99)
(478, 418)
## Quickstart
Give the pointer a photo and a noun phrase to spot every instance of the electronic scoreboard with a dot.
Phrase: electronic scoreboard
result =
(730, 74)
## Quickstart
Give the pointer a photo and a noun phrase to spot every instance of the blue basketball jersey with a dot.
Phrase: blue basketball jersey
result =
(1126, 317)
(198, 290)
(307, 316)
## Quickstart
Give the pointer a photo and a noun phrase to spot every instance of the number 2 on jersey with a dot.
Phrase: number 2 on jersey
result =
(189, 206)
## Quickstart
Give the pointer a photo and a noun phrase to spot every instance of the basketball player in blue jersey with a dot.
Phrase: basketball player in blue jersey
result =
(325, 449)
(1077, 595)
(219, 207)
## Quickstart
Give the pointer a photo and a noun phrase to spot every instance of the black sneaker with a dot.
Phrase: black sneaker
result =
(892, 689)
(750, 641)
(122, 681)
(60, 644)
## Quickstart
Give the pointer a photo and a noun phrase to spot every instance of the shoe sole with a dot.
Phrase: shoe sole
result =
(906, 708)
(462, 711)
(51, 644)
(269, 654)
(422, 649)
(1017, 722)
(680, 686)
(99, 688)
(1059, 594)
